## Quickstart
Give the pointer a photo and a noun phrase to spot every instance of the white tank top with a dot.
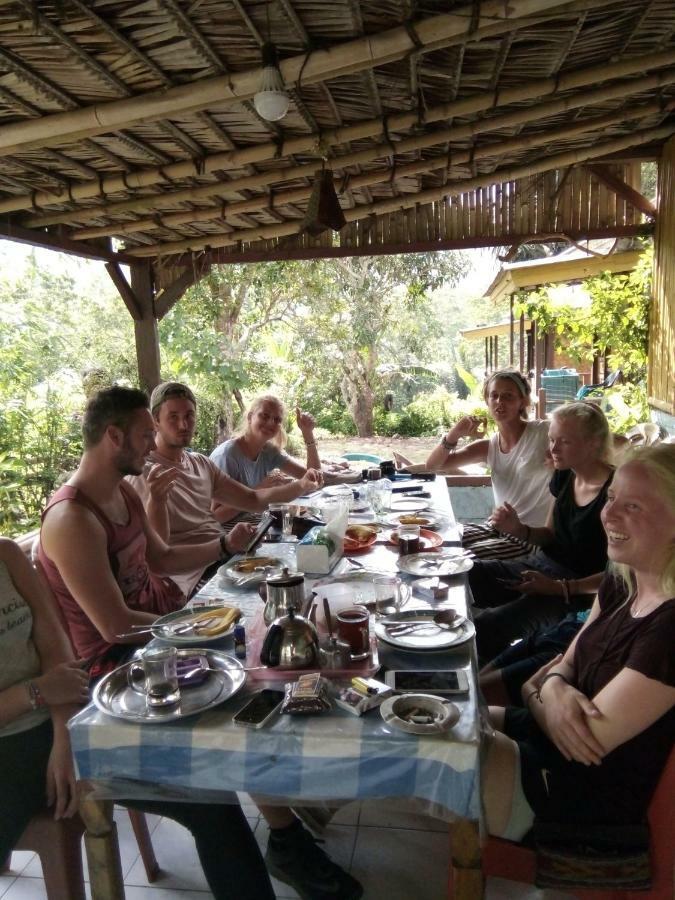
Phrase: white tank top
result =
(521, 476)
(19, 660)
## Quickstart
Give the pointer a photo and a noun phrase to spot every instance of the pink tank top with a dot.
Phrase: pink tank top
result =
(140, 588)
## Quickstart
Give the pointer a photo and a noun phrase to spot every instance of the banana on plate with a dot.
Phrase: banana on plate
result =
(219, 620)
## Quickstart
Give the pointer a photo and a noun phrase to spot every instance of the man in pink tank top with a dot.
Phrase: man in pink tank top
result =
(102, 559)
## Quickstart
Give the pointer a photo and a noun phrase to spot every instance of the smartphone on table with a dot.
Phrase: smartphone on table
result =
(259, 709)
(445, 681)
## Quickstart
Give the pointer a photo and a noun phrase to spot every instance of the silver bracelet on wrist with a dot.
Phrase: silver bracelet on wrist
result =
(448, 445)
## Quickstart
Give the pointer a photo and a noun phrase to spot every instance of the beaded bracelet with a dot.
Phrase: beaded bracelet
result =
(448, 445)
(310, 443)
(35, 698)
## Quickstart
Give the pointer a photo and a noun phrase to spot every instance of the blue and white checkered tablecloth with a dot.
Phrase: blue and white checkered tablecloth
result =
(335, 756)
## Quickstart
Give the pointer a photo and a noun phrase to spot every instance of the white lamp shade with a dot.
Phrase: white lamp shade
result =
(271, 102)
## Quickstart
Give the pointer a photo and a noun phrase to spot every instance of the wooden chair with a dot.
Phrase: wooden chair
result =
(58, 844)
(514, 862)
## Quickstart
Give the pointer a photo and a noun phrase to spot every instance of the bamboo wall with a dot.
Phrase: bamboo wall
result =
(560, 202)
(661, 375)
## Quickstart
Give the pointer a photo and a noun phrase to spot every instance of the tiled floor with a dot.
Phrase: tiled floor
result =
(396, 854)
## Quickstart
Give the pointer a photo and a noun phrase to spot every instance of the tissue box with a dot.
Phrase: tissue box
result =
(315, 556)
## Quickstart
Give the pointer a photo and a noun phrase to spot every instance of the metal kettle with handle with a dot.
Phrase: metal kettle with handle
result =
(284, 591)
(291, 642)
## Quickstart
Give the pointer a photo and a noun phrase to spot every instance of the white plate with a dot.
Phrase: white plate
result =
(162, 628)
(407, 504)
(445, 713)
(444, 563)
(443, 639)
(114, 696)
(229, 570)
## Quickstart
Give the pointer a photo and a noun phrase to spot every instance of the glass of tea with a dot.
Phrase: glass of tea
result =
(408, 539)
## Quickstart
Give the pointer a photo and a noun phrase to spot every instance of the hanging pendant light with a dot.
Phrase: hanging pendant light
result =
(271, 101)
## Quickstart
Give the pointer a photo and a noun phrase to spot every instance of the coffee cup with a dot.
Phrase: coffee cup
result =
(353, 628)
(156, 676)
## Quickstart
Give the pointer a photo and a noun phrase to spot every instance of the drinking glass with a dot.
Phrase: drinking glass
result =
(157, 666)
(390, 590)
(353, 627)
(408, 539)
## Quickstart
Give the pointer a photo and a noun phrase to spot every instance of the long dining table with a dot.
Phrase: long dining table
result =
(325, 760)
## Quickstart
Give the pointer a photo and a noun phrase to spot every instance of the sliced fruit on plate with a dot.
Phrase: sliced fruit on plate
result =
(219, 620)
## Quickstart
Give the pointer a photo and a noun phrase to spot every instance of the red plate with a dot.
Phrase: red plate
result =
(429, 540)
(352, 546)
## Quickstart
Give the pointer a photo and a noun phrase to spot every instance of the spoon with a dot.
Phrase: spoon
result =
(443, 619)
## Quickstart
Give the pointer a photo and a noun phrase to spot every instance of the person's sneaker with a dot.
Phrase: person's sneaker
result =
(294, 857)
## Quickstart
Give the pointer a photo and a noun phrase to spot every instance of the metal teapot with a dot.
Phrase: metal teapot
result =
(291, 642)
(284, 591)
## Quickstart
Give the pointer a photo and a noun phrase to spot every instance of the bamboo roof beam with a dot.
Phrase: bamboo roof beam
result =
(494, 18)
(381, 151)
(345, 134)
(226, 212)
(269, 232)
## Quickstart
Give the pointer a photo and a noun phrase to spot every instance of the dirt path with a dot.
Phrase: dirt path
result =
(415, 448)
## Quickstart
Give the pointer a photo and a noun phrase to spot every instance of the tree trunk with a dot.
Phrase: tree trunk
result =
(360, 400)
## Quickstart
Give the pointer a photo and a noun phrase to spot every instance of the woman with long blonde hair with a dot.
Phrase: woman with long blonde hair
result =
(255, 455)
(600, 720)
(539, 589)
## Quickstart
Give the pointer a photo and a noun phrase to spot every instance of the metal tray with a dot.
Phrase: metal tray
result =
(113, 696)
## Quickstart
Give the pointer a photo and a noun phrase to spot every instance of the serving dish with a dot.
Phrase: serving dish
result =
(423, 519)
(113, 695)
(249, 570)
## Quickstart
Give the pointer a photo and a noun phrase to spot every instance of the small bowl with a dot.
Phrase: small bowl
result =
(396, 710)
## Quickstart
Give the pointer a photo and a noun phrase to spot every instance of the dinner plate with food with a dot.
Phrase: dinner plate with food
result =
(249, 570)
(197, 626)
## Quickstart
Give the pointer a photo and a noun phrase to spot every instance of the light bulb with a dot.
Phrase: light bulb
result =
(271, 101)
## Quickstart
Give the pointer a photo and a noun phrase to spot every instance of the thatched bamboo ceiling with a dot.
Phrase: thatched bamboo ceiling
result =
(133, 120)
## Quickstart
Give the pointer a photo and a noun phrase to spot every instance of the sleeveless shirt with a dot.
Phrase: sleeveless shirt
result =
(126, 545)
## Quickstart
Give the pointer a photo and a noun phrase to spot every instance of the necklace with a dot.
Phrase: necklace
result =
(638, 613)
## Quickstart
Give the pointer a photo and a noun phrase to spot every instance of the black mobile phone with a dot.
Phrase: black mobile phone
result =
(259, 533)
(448, 681)
(259, 709)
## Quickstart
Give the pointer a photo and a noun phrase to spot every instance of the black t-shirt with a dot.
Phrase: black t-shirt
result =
(580, 540)
(619, 789)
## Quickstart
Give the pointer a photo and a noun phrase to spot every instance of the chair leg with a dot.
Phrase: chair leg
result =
(6, 864)
(140, 826)
(61, 860)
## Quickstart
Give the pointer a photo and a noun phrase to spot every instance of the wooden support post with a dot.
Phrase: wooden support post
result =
(466, 876)
(522, 342)
(496, 358)
(511, 331)
(102, 847)
(145, 328)
(487, 356)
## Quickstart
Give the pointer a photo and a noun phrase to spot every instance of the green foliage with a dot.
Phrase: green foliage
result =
(428, 414)
(625, 406)
(616, 322)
